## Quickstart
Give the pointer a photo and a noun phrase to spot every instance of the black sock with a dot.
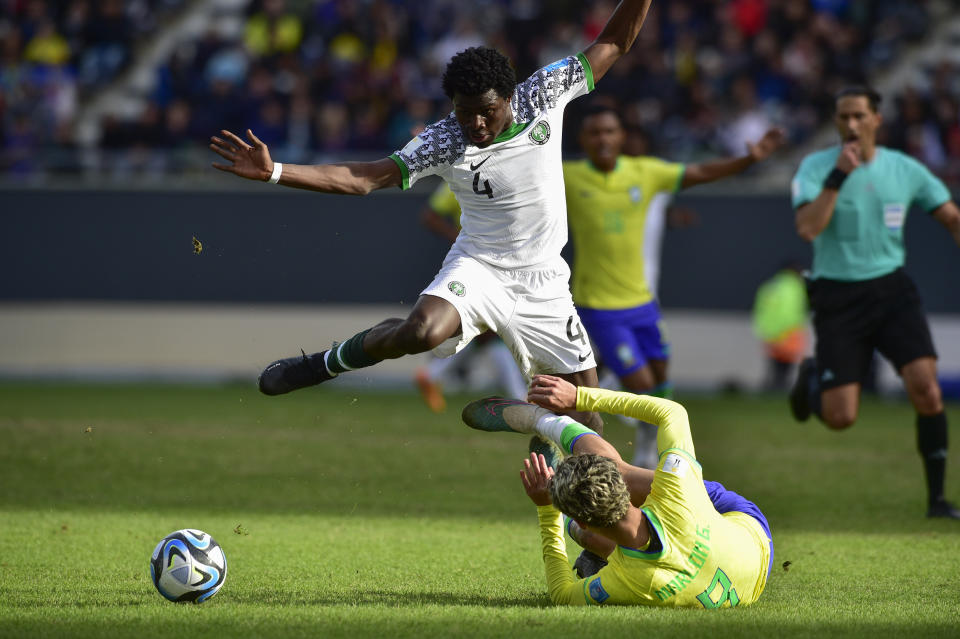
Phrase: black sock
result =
(932, 444)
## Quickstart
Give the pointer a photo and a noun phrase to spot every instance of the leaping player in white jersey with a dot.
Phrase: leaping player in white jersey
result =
(500, 153)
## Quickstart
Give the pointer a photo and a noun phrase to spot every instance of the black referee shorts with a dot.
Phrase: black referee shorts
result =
(851, 319)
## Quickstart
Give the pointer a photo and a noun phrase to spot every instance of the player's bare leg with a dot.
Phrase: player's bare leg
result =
(640, 380)
(920, 382)
(430, 323)
(650, 379)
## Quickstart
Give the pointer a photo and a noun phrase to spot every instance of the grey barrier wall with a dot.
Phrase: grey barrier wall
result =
(279, 245)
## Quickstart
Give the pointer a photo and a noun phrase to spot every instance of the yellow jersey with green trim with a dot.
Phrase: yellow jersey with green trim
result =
(697, 557)
(616, 220)
(444, 203)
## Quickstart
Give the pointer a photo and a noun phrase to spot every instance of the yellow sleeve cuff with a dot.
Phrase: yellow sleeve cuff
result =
(670, 417)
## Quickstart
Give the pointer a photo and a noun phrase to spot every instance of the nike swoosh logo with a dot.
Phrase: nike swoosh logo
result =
(583, 358)
(474, 167)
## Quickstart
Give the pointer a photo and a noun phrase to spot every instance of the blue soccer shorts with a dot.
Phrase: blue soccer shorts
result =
(726, 501)
(626, 339)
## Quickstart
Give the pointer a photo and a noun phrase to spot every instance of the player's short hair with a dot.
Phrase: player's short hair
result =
(861, 91)
(600, 108)
(590, 489)
(476, 70)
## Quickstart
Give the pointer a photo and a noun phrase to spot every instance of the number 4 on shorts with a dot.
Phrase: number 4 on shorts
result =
(578, 336)
(726, 592)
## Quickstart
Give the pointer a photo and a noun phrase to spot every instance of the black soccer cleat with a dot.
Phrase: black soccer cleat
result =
(293, 373)
(943, 509)
(800, 393)
(588, 564)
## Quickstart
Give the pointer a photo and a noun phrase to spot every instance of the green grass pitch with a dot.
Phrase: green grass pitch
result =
(361, 514)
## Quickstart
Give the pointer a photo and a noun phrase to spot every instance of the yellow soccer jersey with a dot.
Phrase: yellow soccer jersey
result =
(444, 203)
(704, 559)
(611, 216)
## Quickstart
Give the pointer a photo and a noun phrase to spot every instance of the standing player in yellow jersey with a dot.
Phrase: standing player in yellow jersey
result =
(615, 208)
(671, 538)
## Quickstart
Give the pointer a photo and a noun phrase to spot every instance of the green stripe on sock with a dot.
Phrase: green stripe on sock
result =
(571, 432)
(350, 355)
(664, 390)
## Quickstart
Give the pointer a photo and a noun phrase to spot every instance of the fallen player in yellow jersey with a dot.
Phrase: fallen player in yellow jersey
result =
(670, 538)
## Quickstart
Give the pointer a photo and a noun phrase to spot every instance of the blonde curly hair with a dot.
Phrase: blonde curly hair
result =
(590, 489)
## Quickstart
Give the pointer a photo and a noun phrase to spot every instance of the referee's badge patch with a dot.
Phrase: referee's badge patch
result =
(597, 593)
(893, 215)
(675, 465)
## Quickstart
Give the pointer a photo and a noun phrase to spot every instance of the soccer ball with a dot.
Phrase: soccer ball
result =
(188, 565)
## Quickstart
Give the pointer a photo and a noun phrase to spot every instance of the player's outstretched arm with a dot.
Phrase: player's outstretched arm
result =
(759, 151)
(617, 36)
(559, 395)
(949, 215)
(252, 161)
(671, 418)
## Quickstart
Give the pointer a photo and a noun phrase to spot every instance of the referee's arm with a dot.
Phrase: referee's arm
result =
(949, 215)
(814, 216)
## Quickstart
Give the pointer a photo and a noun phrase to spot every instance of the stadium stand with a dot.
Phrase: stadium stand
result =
(82, 92)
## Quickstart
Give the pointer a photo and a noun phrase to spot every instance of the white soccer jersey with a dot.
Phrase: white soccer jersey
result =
(511, 192)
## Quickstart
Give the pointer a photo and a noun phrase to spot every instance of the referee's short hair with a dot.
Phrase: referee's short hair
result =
(590, 489)
(861, 91)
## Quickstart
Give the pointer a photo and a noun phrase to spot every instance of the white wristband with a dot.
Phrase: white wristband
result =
(277, 170)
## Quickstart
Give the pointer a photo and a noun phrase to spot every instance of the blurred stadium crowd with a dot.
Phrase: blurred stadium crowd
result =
(333, 78)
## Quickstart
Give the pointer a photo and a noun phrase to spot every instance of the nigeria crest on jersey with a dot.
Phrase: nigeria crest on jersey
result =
(457, 288)
(540, 133)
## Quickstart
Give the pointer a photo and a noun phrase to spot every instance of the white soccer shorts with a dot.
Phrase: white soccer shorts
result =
(531, 311)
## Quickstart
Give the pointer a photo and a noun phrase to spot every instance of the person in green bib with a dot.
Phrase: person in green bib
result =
(851, 202)
(780, 314)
